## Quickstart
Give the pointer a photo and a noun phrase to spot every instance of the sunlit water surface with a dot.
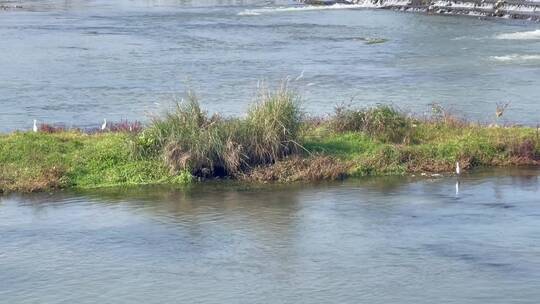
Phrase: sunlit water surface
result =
(77, 62)
(392, 240)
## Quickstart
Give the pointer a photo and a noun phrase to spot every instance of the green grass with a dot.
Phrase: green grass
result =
(271, 142)
(433, 147)
(348, 145)
(30, 162)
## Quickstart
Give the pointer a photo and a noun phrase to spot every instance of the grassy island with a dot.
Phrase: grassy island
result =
(274, 141)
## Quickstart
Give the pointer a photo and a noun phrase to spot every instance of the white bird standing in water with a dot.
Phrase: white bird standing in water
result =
(35, 128)
(104, 125)
(301, 76)
(458, 172)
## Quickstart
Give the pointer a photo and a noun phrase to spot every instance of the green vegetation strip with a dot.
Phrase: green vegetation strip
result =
(273, 142)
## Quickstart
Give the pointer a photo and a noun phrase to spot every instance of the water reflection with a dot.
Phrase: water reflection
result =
(376, 240)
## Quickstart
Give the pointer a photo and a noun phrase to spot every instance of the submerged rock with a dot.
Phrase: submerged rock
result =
(375, 40)
(9, 7)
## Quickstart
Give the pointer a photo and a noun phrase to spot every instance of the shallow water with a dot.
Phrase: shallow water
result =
(388, 240)
(78, 62)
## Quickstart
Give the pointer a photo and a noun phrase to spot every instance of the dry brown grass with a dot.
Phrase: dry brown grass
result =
(315, 168)
(525, 149)
(435, 166)
(49, 128)
(440, 115)
(50, 178)
(126, 126)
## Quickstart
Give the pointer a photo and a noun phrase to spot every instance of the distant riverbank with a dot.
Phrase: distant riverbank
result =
(515, 9)
(274, 141)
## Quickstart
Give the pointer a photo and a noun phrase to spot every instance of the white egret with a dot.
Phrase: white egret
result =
(35, 128)
(501, 107)
(104, 125)
(458, 172)
(301, 76)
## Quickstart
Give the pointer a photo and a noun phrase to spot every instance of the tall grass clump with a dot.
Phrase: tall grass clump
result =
(382, 122)
(274, 123)
(188, 139)
(185, 137)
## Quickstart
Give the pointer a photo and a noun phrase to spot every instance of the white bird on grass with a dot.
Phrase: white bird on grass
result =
(104, 125)
(458, 169)
(35, 127)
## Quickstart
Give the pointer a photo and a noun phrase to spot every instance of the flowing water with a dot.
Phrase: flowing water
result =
(77, 62)
(387, 240)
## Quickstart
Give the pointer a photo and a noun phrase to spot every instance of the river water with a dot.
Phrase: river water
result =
(379, 240)
(77, 62)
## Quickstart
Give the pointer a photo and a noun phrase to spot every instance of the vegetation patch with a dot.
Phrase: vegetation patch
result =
(297, 168)
(273, 142)
(43, 161)
(188, 139)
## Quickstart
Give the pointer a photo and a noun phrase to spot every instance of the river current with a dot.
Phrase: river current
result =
(377, 240)
(77, 62)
